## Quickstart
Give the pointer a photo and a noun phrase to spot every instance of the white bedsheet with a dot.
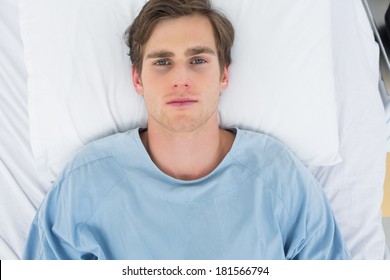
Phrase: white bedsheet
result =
(355, 187)
(386, 103)
(362, 134)
(21, 190)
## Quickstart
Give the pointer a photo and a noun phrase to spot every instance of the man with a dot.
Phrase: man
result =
(183, 188)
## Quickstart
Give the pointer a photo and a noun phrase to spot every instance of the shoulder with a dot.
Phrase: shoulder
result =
(102, 152)
(274, 163)
(97, 151)
(261, 151)
(95, 168)
(86, 180)
(99, 161)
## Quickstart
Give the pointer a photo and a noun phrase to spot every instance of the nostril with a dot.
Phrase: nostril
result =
(177, 85)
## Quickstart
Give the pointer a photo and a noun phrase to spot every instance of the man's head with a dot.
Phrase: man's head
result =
(155, 11)
(180, 51)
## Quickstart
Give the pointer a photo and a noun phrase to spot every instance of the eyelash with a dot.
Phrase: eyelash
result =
(162, 62)
(199, 59)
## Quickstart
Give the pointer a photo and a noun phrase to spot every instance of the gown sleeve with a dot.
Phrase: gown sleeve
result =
(314, 231)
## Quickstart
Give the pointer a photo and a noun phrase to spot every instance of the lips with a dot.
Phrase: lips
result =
(182, 102)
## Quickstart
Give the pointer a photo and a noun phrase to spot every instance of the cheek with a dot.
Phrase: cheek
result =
(152, 93)
(153, 81)
(150, 102)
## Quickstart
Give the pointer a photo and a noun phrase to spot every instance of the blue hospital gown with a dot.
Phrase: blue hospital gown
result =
(112, 202)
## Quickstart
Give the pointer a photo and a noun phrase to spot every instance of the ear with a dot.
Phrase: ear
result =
(137, 81)
(225, 78)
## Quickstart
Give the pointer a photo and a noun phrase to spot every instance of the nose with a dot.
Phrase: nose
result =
(181, 78)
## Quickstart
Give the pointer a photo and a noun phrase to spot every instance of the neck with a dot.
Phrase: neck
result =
(189, 155)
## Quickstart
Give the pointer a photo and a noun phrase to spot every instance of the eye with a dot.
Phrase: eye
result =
(162, 62)
(198, 61)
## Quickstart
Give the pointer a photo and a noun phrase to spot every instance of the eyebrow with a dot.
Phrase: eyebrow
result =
(188, 52)
(199, 50)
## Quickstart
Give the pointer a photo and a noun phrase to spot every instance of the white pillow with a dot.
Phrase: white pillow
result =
(80, 86)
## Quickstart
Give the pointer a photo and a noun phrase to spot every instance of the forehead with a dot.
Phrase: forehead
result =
(179, 34)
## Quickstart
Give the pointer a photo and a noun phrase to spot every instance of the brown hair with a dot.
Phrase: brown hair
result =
(139, 32)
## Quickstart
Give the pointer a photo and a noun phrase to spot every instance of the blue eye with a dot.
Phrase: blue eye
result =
(198, 61)
(162, 62)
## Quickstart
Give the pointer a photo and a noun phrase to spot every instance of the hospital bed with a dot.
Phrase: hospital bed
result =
(352, 179)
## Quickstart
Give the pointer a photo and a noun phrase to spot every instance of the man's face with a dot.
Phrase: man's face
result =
(181, 79)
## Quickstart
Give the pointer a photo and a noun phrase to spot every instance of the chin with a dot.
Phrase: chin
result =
(185, 125)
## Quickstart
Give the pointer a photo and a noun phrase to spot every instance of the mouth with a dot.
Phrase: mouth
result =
(182, 102)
